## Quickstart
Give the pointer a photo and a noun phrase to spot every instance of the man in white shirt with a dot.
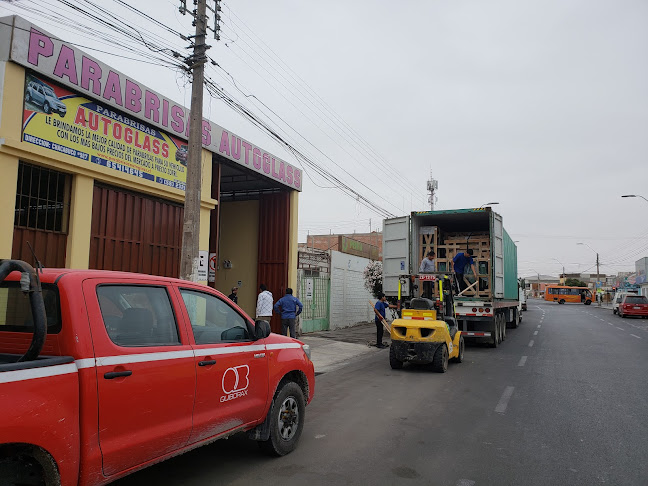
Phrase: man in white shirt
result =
(264, 304)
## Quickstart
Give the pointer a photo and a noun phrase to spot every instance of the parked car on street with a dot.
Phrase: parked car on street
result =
(618, 297)
(633, 305)
(43, 95)
(105, 373)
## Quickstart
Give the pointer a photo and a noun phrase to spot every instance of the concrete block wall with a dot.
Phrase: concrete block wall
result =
(349, 298)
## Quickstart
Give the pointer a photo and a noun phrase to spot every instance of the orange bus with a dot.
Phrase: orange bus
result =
(563, 293)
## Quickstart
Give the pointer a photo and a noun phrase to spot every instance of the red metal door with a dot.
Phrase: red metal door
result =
(135, 233)
(274, 238)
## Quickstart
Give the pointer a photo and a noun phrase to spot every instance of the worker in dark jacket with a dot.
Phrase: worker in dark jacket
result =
(289, 307)
(380, 309)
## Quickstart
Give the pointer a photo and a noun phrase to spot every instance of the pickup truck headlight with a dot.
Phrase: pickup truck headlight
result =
(307, 350)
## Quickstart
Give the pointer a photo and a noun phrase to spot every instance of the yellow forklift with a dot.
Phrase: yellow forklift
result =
(426, 331)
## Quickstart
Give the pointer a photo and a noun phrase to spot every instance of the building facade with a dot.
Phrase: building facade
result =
(94, 168)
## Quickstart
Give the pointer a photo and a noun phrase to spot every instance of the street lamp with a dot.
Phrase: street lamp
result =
(597, 266)
(636, 195)
(488, 204)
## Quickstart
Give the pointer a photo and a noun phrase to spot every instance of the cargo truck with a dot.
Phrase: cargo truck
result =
(488, 307)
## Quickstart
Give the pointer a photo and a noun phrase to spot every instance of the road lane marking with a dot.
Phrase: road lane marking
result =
(522, 361)
(635, 336)
(539, 326)
(610, 324)
(620, 328)
(506, 396)
(531, 343)
(535, 333)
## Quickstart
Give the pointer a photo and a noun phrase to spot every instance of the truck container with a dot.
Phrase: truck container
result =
(486, 308)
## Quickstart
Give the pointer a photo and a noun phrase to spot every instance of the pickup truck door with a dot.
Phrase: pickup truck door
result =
(145, 372)
(231, 368)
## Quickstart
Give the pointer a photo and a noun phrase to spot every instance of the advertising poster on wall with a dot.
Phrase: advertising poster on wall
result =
(61, 120)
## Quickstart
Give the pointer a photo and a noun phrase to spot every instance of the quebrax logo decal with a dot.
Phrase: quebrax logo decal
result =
(235, 382)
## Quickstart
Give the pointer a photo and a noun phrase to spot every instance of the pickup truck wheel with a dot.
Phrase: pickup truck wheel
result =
(287, 421)
(21, 471)
(440, 360)
(614, 311)
(394, 362)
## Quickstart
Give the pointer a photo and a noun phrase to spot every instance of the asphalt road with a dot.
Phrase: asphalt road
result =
(563, 401)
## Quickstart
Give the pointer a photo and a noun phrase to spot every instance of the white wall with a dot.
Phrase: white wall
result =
(349, 298)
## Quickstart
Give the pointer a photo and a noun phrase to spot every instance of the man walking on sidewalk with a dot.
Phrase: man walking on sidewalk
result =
(289, 307)
(381, 307)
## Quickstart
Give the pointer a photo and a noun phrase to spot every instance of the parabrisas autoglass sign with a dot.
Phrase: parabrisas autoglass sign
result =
(50, 57)
(66, 122)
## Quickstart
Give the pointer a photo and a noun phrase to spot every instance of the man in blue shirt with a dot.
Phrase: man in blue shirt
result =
(289, 307)
(461, 261)
(381, 307)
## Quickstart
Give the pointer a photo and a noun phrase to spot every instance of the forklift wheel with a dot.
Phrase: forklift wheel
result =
(440, 360)
(393, 361)
(460, 356)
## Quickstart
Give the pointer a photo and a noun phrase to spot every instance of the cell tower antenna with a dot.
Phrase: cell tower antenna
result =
(432, 186)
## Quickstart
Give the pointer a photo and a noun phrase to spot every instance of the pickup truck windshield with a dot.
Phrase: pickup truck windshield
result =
(15, 311)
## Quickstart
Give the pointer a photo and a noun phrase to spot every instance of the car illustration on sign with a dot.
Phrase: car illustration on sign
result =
(181, 154)
(38, 93)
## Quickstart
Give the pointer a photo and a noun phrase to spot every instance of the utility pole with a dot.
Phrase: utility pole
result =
(189, 256)
(598, 299)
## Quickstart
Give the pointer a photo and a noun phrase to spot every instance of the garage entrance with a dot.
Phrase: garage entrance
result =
(254, 235)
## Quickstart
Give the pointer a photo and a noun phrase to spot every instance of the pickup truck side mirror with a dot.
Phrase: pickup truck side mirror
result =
(261, 330)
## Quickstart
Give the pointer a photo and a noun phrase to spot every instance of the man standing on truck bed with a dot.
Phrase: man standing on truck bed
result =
(461, 261)
(427, 266)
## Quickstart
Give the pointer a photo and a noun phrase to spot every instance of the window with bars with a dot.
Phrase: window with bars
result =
(42, 198)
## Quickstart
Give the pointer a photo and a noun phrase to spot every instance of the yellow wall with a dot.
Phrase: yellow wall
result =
(292, 241)
(12, 149)
(8, 182)
(239, 240)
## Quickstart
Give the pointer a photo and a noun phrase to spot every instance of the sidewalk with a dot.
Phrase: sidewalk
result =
(330, 350)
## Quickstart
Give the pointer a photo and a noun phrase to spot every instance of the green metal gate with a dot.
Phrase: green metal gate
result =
(315, 295)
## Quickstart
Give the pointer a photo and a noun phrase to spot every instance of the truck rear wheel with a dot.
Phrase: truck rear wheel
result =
(393, 361)
(440, 360)
(286, 420)
(495, 333)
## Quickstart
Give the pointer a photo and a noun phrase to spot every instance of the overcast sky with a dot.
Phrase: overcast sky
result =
(540, 105)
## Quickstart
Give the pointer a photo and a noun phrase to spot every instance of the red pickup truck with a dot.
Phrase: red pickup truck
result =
(105, 373)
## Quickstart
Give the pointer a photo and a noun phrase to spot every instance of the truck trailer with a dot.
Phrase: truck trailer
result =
(487, 307)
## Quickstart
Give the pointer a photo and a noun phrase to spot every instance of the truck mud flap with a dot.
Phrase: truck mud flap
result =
(415, 351)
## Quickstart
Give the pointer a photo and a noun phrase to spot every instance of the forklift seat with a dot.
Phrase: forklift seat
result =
(421, 304)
